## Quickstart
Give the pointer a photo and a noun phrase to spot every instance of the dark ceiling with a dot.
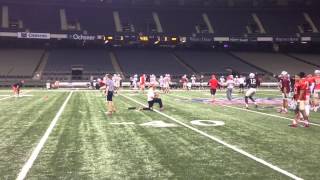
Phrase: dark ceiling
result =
(198, 3)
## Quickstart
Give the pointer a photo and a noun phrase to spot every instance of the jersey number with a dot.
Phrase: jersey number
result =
(253, 81)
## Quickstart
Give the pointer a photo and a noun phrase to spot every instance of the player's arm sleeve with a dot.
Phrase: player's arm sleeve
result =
(312, 87)
(247, 83)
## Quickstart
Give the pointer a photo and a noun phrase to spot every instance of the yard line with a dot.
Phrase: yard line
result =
(248, 110)
(11, 96)
(26, 167)
(5, 98)
(276, 168)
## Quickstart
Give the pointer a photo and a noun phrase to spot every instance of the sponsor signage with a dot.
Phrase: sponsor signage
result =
(286, 39)
(264, 39)
(27, 35)
(238, 39)
(221, 39)
(200, 39)
(82, 37)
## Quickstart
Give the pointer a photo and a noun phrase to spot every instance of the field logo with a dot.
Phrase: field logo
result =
(207, 123)
(158, 124)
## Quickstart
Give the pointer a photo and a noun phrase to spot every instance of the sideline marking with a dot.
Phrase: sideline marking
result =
(26, 167)
(276, 168)
(11, 96)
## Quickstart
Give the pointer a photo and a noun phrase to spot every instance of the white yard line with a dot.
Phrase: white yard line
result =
(234, 148)
(26, 167)
(11, 96)
(248, 110)
(5, 98)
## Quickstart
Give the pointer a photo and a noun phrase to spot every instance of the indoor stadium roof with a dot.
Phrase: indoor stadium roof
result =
(242, 3)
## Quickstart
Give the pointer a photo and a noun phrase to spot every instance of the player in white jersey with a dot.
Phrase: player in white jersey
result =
(230, 85)
(201, 82)
(118, 82)
(161, 83)
(316, 92)
(135, 81)
(222, 81)
(153, 80)
(241, 81)
(167, 81)
(193, 81)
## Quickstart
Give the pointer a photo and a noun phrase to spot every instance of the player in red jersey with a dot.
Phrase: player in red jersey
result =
(213, 83)
(184, 81)
(142, 82)
(316, 90)
(310, 80)
(284, 84)
(17, 88)
(300, 97)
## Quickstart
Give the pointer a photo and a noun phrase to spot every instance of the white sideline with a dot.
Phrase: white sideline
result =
(26, 167)
(224, 143)
(248, 110)
(11, 96)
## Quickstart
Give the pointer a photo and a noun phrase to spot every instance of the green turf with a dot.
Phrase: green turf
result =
(85, 145)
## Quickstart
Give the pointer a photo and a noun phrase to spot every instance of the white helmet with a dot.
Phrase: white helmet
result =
(284, 73)
(317, 72)
(251, 75)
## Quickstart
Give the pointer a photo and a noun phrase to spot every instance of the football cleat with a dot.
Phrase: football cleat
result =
(293, 125)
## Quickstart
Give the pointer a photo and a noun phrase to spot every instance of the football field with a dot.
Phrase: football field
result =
(66, 134)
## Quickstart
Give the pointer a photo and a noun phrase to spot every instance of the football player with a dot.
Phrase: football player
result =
(230, 85)
(142, 82)
(284, 84)
(16, 87)
(310, 85)
(251, 83)
(316, 91)
(167, 81)
(241, 82)
(213, 83)
(153, 97)
(184, 81)
(300, 97)
(109, 91)
(161, 83)
(193, 81)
